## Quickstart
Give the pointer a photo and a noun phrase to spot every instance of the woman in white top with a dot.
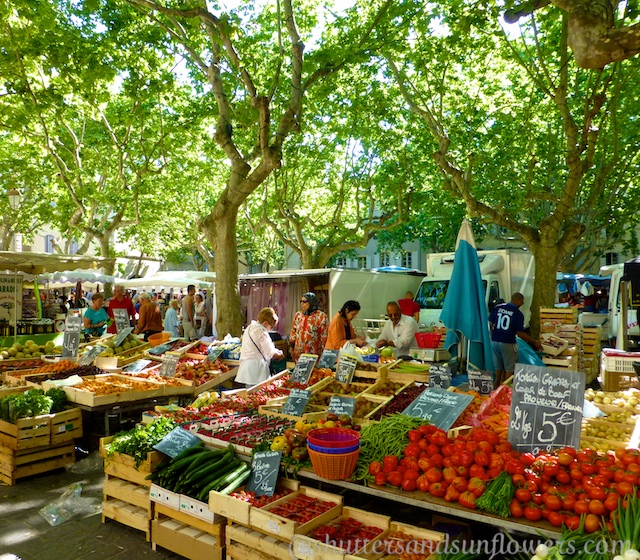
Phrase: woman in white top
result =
(200, 315)
(258, 349)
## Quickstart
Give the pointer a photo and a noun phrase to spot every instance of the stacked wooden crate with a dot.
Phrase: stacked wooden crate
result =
(592, 346)
(38, 444)
(126, 490)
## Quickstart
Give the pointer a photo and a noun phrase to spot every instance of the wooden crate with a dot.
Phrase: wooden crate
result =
(261, 519)
(147, 466)
(66, 426)
(617, 381)
(185, 540)
(128, 492)
(127, 514)
(307, 548)
(420, 535)
(560, 315)
(26, 433)
(236, 510)
(216, 530)
(18, 463)
(244, 543)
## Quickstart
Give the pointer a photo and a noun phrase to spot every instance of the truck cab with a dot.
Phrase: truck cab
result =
(616, 271)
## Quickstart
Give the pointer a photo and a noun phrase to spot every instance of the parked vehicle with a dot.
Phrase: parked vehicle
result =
(504, 271)
(616, 272)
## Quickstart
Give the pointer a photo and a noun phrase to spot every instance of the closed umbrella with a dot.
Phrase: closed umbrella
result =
(464, 311)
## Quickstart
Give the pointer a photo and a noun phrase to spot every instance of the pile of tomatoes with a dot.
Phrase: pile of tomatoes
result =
(560, 486)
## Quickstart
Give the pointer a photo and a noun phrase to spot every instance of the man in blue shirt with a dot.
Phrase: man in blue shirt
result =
(507, 321)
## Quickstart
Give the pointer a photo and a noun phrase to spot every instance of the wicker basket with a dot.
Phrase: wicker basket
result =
(333, 437)
(334, 450)
(334, 466)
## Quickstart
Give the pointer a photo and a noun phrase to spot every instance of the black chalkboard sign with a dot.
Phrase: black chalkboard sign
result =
(71, 338)
(137, 366)
(328, 359)
(346, 368)
(121, 317)
(214, 353)
(439, 376)
(122, 335)
(441, 408)
(342, 405)
(546, 408)
(161, 348)
(304, 366)
(176, 441)
(90, 354)
(265, 468)
(480, 381)
(296, 402)
(169, 364)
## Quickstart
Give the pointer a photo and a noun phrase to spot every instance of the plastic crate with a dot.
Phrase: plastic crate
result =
(428, 339)
(619, 361)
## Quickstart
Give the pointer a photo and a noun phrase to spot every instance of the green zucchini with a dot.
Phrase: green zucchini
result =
(216, 484)
(197, 448)
(236, 483)
(204, 457)
(208, 468)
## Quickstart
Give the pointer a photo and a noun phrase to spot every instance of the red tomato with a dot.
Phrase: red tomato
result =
(551, 467)
(380, 479)
(514, 467)
(568, 502)
(537, 499)
(532, 513)
(631, 479)
(481, 458)
(411, 474)
(581, 507)
(611, 501)
(555, 518)
(596, 507)
(476, 486)
(423, 444)
(422, 483)
(414, 436)
(437, 459)
(426, 429)
(433, 449)
(412, 465)
(395, 478)
(565, 459)
(485, 446)
(437, 489)
(624, 488)
(462, 471)
(390, 461)
(448, 474)
(412, 450)
(523, 495)
(439, 437)
(531, 486)
(591, 523)
(478, 471)
(518, 480)
(563, 477)
(575, 473)
(425, 464)
(375, 467)
(451, 495)
(401, 469)
(459, 483)
(516, 508)
(433, 475)
(554, 503)
(572, 522)
(588, 468)
(409, 485)
(596, 493)
(527, 459)
(468, 500)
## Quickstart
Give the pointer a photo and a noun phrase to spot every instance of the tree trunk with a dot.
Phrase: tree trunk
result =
(220, 229)
(547, 258)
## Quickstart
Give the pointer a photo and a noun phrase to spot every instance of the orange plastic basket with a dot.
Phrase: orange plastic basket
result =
(428, 339)
(333, 466)
(157, 339)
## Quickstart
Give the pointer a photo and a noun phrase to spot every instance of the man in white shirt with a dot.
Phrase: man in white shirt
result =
(399, 331)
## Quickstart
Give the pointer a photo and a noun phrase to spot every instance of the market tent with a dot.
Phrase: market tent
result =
(156, 281)
(79, 275)
(464, 311)
(39, 263)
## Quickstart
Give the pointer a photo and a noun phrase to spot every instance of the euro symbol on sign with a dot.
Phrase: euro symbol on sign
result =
(438, 410)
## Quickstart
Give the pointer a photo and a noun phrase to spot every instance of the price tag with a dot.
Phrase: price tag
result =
(328, 359)
(137, 366)
(176, 441)
(304, 366)
(90, 354)
(169, 364)
(439, 376)
(121, 317)
(546, 408)
(71, 338)
(122, 336)
(264, 473)
(161, 348)
(480, 381)
(346, 368)
(342, 405)
(296, 402)
(441, 408)
(214, 353)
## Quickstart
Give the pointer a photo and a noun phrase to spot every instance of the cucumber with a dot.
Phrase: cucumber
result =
(208, 468)
(217, 483)
(236, 483)
(219, 473)
(197, 448)
(231, 476)
(203, 458)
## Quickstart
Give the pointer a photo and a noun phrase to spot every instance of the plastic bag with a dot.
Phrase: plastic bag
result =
(90, 464)
(70, 505)
(349, 349)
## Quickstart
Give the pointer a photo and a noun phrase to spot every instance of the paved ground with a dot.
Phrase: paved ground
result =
(25, 535)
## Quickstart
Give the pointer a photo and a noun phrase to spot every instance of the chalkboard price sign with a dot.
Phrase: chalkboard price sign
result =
(122, 335)
(546, 408)
(264, 473)
(346, 368)
(296, 402)
(480, 381)
(162, 348)
(328, 359)
(71, 338)
(137, 366)
(439, 376)
(121, 317)
(214, 353)
(169, 364)
(304, 366)
(342, 405)
(176, 441)
(441, 408)
(90, 354)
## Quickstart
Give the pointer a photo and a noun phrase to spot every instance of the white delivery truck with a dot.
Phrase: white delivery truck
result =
(504, 271)
(333, 287)
(616, 271)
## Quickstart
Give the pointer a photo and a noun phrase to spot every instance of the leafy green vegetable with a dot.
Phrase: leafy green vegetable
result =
(25, 405)
(59, 398)
(140, 441)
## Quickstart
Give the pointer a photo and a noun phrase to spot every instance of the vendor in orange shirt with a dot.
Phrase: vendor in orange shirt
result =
(341, 330)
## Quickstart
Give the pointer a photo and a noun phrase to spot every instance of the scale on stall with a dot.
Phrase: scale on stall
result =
(430, 354)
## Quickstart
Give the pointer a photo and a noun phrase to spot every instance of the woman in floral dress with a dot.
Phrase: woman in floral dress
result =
(309, 328)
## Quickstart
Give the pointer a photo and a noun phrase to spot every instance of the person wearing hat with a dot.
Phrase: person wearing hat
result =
(309, 328)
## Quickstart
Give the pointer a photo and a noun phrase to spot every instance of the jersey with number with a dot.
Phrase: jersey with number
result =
(507, 320)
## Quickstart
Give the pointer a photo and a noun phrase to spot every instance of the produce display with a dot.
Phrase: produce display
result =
(387, 389)
(33, 402)
(62, 365)
(401, 401)
(202, 349)
(260, 501)
(412, 368)
(197, 471)
(14, 365)
(80, 371)
(352, 535)
(27, 351)
(111, 384)
(110, 349)
(199, 371)
(398, 544)
(344, 389)
(302, 508)
(628, 399)
(140, 440)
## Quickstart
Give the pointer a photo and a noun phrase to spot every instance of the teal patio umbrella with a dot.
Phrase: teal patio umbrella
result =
(464, 311)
